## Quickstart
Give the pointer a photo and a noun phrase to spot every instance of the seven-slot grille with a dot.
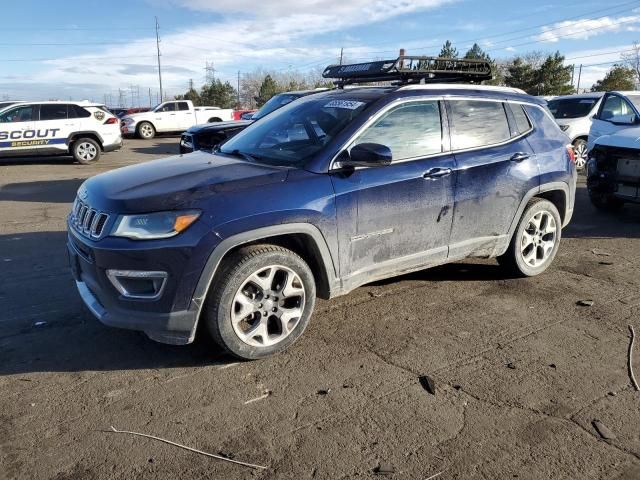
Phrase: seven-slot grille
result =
(88, 221)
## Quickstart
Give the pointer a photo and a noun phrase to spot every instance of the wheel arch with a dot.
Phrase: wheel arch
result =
(75, 136)
(214, 120)
(304, 239)
(145, 121)
(580, 137)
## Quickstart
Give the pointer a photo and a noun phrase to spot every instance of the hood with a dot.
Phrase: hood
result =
(136, 116)
(180, 181)
(217, 126)
(627, 138)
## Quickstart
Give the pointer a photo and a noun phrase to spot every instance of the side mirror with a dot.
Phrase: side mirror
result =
(623, 120)
(369, 155)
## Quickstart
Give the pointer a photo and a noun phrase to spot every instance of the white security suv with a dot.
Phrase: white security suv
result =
(83, 130)
(574, 114)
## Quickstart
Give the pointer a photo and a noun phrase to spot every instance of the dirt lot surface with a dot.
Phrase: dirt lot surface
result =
(521, 371)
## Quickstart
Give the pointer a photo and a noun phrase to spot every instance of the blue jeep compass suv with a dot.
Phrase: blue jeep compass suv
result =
(333, 191)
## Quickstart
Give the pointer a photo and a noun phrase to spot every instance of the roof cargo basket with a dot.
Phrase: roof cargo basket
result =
(411, 69)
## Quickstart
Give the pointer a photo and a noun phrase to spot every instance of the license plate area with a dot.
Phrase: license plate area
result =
(628, 167)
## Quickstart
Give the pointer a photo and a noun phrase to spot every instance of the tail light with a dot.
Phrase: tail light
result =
(572, 154)
(111, 121)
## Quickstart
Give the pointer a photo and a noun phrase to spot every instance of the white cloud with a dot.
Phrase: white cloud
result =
(587, 28)
(274, 34)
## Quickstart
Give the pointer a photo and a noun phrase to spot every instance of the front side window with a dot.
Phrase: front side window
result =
(615, 106)
(18, 114)
(53, 112)
(477, 123)
(167, 107)
(294, 134)
(411, 130)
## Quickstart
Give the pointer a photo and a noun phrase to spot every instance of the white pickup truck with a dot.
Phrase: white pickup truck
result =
(172, 116)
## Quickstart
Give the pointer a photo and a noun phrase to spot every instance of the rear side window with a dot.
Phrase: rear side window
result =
(522, 121)
(76, 111)
(410, 130)
(477, 123)
(53, 112)
(183, 106)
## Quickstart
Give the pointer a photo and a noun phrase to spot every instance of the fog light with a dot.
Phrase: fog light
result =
(137, 284)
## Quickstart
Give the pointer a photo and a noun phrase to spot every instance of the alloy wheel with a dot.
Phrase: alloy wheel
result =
(268, 306)
(580, 151)
(146, 131)
(87, 151)
(538, 239)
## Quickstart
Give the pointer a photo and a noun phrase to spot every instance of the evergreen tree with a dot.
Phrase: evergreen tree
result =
(521, 74)
(618, 78)
(268, 89)
(554, 78)
(448, 50)
(218, 94)
(476, 53)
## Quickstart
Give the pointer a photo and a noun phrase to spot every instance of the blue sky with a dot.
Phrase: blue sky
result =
(86, 49)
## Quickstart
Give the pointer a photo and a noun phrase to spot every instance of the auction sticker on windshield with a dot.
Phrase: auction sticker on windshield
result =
(348, 104)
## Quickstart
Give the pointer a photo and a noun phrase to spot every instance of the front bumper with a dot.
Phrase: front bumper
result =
(172, 317)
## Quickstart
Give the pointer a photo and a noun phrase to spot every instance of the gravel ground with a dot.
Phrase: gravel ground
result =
(521, 371)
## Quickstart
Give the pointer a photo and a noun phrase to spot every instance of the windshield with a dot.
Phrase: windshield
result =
(572, 107)
(274, 103)
(294, 134)
(635, 99)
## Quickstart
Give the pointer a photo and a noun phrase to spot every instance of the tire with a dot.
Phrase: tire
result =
(214, 120)
(580, 150)
(536, 240)
(146, 131)
(249, 279)
(85, 151)
(606, 202)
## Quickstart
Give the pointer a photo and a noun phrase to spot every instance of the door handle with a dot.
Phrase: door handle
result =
(436, 172)
(519, 157)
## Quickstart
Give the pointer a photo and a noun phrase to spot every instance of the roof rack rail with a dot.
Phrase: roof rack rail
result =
(410, 69)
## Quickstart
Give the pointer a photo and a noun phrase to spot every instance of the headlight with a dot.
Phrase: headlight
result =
(564, 128)
(153, 226)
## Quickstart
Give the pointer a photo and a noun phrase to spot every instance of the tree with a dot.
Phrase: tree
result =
(618, 78)
(554, 78)
(448, 50)
(191, 94)
(520, 74)
(218, 94)
(632, 60)
(476, 53)
(268, 89)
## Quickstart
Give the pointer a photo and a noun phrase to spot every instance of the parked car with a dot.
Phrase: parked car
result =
(574, 114)
(122, 112)
(207, 137)
(83, 130)
(171, 117)
(613, 170)
(617, 111)
(330, 192)
(7, 103)
(243, 114)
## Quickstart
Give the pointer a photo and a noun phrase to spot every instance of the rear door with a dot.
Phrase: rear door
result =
(398, 216)
(495, 166)
(55, 121)
(184, 116)
(612, 105)
(17, 134)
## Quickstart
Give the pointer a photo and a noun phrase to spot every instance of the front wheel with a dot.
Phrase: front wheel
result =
(580, 150)
(146, 131)
(86, 151)
(536, 240)
(260, 301)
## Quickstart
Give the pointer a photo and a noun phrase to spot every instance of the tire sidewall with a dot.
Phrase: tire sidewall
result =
(77, 157)
(532, 210)
(221, 313)
(153, 134)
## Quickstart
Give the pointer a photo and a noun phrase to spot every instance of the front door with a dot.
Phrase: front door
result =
(612, 106)
(397, 217)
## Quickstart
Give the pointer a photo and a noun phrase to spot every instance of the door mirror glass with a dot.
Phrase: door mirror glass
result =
(368, 155)
(623, 119)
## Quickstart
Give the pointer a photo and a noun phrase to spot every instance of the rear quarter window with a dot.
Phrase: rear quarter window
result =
(477, 123)
(76, 111)
(523, 125)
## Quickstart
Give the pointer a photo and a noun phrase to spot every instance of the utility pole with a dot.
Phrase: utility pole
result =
(341, 55)
(238, 89)
(573, 71)
(579, 76)
(150, 99)
(158, 48)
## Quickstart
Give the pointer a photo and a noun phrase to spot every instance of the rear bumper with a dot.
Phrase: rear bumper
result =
(114, 146)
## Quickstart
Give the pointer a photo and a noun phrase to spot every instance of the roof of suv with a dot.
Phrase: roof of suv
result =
(581, 95)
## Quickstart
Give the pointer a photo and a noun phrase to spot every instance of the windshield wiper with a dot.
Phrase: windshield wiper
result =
(246, 156)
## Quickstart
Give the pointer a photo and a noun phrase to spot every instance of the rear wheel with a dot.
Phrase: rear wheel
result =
(536, 240)
(214, 120)
(580, 150)
(86, 151)
(146, 131)
(260, 301)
